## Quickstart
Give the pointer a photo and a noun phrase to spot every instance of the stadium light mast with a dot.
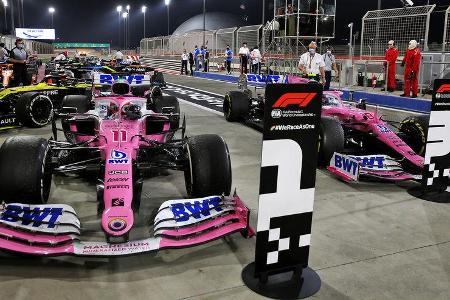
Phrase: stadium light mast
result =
(52, 11)
(5, 5)
(119, 12)
(167, 2)
(125, 17)
(204, 22)
(144, 10)
(128, 25)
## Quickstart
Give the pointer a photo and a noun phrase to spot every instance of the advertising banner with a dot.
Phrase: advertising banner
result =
(288, 177)
(35, 34)
(436, 174)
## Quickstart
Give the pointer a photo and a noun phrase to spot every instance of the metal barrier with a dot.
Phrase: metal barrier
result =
(248, 34)
(400, 24)
(224, 37)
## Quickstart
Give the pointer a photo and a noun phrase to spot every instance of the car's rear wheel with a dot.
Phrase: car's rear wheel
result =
(209, 169)
(414, 131)
(168, 105)
(331, 140)
(236, 106)
(34, 110)
(82, 104)
(25, 170)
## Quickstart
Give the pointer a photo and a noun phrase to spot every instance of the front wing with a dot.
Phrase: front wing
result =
(54, 230)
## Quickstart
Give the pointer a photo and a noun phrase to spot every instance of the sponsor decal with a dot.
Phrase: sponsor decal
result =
(118, 157)
(118, 172)
(118, 202)
(266, 78)
(184, 211)
(292, 127)
(117, 224)
(114, 187)
(117, 179)
(110, 79)
(34, 217)
(50, 93)
(7, 121)
(276, 113)
(443, 88)
(370, 161)
(346, 164)
(383, 129)
(300, 99)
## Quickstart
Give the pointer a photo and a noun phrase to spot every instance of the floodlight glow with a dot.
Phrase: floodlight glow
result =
(125, 15)
(144, 9)
(119, 8)
(167, 2)
(51, 10)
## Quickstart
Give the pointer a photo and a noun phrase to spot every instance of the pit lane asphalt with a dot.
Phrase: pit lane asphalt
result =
(369, 241)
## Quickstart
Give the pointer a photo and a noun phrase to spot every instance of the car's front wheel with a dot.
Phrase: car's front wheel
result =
(34, 110)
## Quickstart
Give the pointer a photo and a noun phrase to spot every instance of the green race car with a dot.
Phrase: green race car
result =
(34, 105)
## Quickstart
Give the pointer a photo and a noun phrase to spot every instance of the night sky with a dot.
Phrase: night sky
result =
(97, 20)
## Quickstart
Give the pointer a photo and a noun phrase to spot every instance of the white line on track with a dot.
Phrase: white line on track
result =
(201, 107)
(195, 89)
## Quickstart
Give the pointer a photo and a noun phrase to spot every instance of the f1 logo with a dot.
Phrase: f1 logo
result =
(300, 99)
(443, 88)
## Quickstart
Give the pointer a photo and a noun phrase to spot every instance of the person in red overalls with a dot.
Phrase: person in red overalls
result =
(411, 61)
(390, 66)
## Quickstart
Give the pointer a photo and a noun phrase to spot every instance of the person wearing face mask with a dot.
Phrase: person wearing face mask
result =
(391, 58)
(312, 65)
(244, 53)
(330, 65)
(18, 58)
(411, 62)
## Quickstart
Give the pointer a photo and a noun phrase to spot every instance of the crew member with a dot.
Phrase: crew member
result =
(311, 64)
(18, 57)
(118, 57)
(411, 61)
(60, 57)
(196, 54)
(244, 53)
(229, 59)
(184, 62)
(3, 53)
(390, 65)
(206, 59)
(330, 65)
(191, 63)
(256, 60)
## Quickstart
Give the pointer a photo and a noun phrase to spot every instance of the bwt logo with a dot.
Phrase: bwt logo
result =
(184, 211)
(345, 164)
(371, 161)
(264, 78)
(109, 79)
(118, 157)
(300, 99)
(35, 217)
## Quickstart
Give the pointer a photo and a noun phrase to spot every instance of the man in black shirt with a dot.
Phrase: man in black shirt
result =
(18, 57)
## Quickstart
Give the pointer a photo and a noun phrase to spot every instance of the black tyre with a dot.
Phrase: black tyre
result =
(81, 102)
(209, 170)
(139, 90)
(168, 105)
(34, 110)
(158, 79)
(236, 106)
(331, 139)
(414, 131)
(25, 172)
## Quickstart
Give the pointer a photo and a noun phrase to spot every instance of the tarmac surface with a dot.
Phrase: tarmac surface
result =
(369, 240)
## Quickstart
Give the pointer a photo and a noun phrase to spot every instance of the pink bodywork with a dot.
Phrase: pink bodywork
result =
(119, 134)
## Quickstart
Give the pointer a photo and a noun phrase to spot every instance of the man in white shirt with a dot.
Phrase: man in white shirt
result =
(184, 62)
(60, 57)
(256, 60)
(244, 53)
(312, 65)
(118, 56)
(3, 53)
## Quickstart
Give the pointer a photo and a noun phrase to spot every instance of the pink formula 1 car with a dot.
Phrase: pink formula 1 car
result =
(354, 143)
(116, 139)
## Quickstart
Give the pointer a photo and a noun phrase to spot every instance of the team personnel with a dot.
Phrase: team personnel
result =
(206, 59)
(191, 63)
(330, 65)
(18, 57)
(311, 64)
(4, 55)
(118, 57)
(229, 59)
(60, 57)
(390, 64)
(256, 60)
(197, 53)
(244, 53)
(184, 62)
(411, 61)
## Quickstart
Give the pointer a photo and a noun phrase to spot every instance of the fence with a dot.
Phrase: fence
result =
(446, 38)
(400, 24)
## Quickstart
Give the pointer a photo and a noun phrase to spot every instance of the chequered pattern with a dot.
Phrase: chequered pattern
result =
(436, 173)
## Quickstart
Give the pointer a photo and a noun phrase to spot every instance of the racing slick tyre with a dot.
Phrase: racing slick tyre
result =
(331, 139)
(81, 102)
(209, 169)
(414, 131)
(157, 79)
(34, 110)
(236, 106)
(25, 172)
(168, 105)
